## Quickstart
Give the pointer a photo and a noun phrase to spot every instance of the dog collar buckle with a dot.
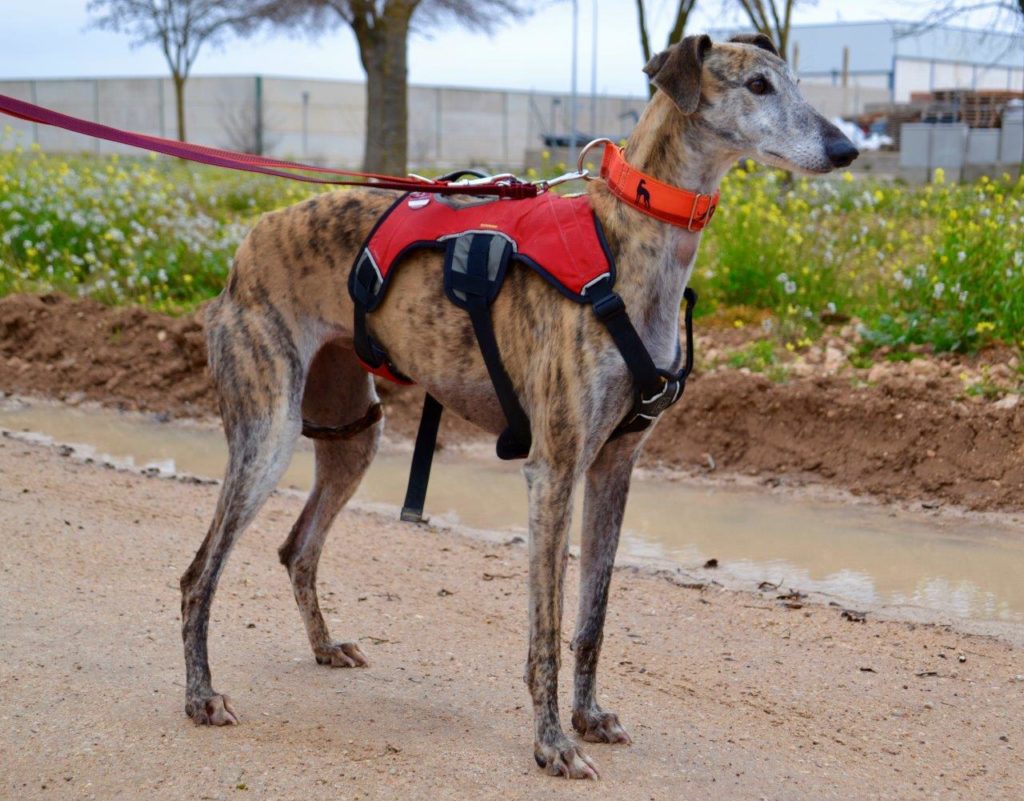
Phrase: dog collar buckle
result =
(696, 223)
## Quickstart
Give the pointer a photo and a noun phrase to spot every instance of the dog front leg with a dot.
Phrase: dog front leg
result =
(550, 484)
(607, 486)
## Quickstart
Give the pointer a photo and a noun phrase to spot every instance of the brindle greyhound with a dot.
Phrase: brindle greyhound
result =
(280, 345)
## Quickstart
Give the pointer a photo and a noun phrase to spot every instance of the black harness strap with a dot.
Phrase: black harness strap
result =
(422, 459)
(611, 311)
(477, 288)
(656, 389)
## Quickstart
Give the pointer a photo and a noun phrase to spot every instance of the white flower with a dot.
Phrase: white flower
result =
(961, 257)
(790, 287)
(938, 289)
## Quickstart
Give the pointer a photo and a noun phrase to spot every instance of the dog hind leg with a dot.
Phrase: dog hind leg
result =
(338, 391)
(256, 368)
(607, 486)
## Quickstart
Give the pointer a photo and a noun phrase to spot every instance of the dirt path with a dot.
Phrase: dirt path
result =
(727, 695)
(897, 431)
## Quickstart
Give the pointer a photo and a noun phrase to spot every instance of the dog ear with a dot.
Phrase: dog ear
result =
(676, 71)
(757, 40)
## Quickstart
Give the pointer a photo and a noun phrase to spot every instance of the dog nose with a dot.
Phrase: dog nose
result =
(841, 152)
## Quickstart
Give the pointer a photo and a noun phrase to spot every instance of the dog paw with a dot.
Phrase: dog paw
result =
(600, 727)
(341, 654)
(564, 758)
(213, 710)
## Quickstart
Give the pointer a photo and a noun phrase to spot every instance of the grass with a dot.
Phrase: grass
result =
(939, 266)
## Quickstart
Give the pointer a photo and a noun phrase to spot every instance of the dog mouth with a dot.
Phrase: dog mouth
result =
(788, 164)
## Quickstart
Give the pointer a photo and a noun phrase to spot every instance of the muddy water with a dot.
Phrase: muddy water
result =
(863, 555)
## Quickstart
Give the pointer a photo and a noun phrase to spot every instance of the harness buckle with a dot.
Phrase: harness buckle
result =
(608, 306)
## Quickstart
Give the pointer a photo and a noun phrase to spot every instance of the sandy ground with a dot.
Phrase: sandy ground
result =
(727, 695)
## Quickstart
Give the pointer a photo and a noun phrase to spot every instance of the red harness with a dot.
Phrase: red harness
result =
(557, 236)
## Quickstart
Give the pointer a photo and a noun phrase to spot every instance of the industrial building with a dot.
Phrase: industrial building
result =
(904, 58)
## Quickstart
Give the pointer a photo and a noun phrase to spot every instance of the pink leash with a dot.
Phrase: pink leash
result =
(231, 160)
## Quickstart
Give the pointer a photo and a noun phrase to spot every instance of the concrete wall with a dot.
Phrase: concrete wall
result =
(319, 121)
(323, 121)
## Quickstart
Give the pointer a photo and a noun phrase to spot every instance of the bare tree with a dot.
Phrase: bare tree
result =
(1002, 14)
(382, 29)
(772, 18)
(683, 10)
(180, 27)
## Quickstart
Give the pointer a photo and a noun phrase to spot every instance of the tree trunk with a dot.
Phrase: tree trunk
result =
(179, 103)
(384, 54)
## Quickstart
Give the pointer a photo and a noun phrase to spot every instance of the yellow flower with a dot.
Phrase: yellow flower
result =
(737, 324)
(940, 175)
(848, 176)
(984, 326)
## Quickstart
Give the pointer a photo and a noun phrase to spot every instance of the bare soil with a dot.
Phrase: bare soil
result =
(727, 695)
(898, 431)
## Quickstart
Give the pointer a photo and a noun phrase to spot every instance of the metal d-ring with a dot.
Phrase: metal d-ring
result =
(583, 153)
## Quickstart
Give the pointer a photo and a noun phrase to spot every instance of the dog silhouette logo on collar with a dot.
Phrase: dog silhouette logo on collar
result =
(643, 196)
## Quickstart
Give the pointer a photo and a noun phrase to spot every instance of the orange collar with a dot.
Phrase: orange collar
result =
(670, 204)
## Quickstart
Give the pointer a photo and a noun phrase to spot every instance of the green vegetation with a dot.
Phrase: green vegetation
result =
(940, 265)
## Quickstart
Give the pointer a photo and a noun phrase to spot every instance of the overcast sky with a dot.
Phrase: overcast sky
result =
(50, 38)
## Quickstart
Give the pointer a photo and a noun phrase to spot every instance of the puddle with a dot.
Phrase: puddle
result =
(867, 556)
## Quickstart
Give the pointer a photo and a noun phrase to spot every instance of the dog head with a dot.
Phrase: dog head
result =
(745, 98)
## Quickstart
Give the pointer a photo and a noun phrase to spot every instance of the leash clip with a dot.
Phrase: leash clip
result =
(545, 185)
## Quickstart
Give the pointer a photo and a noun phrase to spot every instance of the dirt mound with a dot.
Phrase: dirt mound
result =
(125, 357)
(909, 436)
(901, 440)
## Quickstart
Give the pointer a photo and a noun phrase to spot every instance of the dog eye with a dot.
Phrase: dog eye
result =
(759, 86)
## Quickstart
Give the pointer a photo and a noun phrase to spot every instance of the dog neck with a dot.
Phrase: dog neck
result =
(675, 148)
(654, 259)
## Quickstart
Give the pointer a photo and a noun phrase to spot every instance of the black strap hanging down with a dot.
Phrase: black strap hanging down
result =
(422, 459)
(473, 280)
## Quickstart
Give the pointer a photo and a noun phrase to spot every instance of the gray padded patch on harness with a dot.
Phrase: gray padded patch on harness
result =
(460, 256)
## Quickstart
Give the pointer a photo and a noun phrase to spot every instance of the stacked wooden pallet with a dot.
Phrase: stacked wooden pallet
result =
(984, 109)
(978, 109)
